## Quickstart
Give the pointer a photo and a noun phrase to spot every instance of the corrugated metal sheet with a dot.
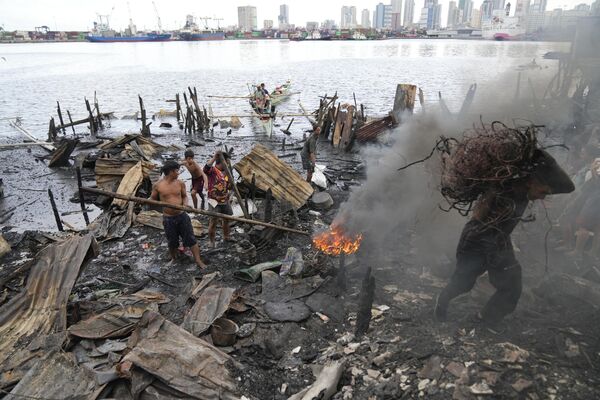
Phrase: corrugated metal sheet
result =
(40, 309)
(271, 173)
(110, 171)
(371, 130)
(56, 377)
(181, 360)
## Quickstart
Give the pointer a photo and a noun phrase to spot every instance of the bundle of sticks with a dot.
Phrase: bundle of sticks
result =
(487, 157)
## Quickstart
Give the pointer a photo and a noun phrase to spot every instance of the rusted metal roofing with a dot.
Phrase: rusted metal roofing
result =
(271, 173)
(40, 309)
(371, 130)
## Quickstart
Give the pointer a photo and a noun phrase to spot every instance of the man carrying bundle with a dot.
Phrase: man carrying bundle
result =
(485, 243)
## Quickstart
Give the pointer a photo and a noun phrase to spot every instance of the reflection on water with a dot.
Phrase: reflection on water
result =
(36, 75)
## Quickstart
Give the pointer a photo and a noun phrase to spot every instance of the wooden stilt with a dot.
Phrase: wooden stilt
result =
(269, 206)
(71, 121)
(81, 197)
(365, 303)
(60, 117)
(55, 211)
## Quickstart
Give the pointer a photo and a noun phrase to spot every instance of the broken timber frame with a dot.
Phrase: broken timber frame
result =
(191, 210)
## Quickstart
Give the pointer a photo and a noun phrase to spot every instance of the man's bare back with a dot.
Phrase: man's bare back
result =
(170, 192)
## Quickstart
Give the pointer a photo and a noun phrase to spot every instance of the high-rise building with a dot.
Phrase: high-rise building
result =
(396, 15)
(453, 14)
(379, 16)
(475, 21)
(538, 6)
(387, 16)
(409, 13)
(267, 24)
(284, 15)
(247, 18)
(487, 9)
(396, 6)
(431, 15)
(467, 13)
(348, 19)
(365, 19)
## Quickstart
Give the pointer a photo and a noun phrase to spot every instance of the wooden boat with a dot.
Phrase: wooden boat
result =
(281, 93)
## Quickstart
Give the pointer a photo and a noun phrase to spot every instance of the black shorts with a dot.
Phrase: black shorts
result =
(222, 209)
(307, 163)
(179, 226)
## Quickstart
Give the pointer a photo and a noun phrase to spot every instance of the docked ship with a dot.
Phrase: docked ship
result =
(191, 32)
(102, 33)
(502, 28)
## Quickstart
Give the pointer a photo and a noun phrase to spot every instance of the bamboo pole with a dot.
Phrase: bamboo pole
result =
(191, 210)
(235, 188)
(48, 147)
(27, 144)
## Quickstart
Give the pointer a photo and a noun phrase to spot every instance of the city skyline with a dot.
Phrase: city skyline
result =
(73, 15)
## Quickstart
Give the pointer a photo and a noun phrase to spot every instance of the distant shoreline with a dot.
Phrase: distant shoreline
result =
(270, 39)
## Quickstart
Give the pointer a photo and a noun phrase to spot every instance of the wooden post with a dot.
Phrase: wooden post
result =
(71, 121)
(365, 303)
(253, 188)
(91, 117)
(51, 130)
(145, 127)
(98, 113)
(235, 188)
(269, 206)
(55, 211)
(178, 108)
(60, 117)
(81, 197)
(422, 99)
(283, 145)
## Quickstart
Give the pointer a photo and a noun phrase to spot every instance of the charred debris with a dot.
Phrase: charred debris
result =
(293, 308)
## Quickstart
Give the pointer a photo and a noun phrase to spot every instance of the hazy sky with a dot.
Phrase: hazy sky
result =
(80, 14)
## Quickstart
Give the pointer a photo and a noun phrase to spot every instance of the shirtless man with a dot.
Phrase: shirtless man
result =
(199, 181)
(175, 222)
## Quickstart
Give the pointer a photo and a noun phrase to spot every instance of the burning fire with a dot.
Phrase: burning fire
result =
(335, 241)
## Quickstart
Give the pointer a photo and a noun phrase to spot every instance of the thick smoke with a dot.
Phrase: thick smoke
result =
(392, 206)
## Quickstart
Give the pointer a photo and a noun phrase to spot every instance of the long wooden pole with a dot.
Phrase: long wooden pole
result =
(191, 210)
(235, 188)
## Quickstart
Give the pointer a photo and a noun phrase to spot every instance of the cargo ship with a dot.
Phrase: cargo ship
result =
(201, 35)
(191, 32)
(144, 37)
(102, 32)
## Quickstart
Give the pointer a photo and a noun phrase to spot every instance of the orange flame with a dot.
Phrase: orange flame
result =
(335, 241)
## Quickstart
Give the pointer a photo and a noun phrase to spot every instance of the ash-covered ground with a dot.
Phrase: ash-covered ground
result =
(548, 348)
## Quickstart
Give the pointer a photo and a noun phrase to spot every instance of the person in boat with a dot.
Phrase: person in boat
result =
(264, 89)
(259, 99)
(309, 154)
(176, 223)
(485, 244)
(199, 181)
(219, 194)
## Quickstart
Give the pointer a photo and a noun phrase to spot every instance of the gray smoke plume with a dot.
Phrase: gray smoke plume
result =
(392, 206)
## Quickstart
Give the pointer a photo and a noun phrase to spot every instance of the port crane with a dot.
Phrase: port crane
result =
(157, 17)
(205, 19)
(218, 20)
